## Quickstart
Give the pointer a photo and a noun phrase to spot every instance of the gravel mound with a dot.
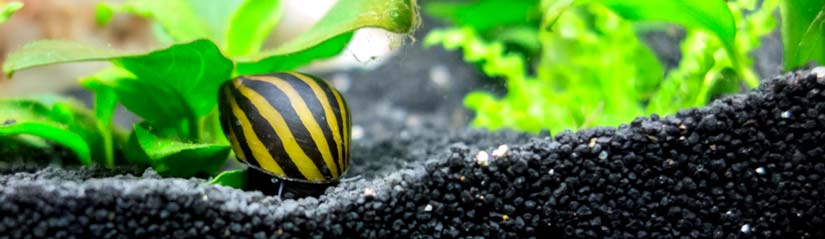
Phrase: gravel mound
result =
(747, 166)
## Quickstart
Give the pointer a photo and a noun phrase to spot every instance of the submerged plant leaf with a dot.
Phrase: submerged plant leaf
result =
(20, 116)
(174, 158)
(7, 9)
(250, 24)
(326, 49)
(192, 72)
(479, 14)
(47, 52)
(233, 178)
(711, 15)
(803, 32)
(344, 17)
(176, 17)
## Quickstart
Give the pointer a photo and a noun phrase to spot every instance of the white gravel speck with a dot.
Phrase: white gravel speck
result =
(760, 170)
(603, 155)
(482, 158)
(745, 228)
(501, 151)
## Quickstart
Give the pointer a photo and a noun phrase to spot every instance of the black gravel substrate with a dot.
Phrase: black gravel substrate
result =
(748, 166)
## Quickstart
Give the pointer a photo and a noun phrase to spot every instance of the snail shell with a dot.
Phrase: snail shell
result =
(289, 125)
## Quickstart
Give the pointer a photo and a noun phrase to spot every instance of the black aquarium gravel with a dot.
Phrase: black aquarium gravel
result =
(747, 166)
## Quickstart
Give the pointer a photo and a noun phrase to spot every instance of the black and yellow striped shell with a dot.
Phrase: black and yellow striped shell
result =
(289, 125)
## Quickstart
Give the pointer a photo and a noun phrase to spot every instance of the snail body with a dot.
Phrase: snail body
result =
(291, 126)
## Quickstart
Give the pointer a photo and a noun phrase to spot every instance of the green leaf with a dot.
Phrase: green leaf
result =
(250, 25)
(344, 17)
(6, 9)
(165, 107)
(233, 178)
(477, 14)
(103, 14)
(712, 15)
(328, 48)
(105, 100)
(47, 52)
(192, 72)
(30, 117)
(803, 32)
(174, 158)
(176, 17)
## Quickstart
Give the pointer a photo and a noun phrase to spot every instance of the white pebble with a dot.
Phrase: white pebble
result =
(428, 208)
(552, 172)
(746, 228)
(760, 170)
(786, 114)
(501, 151)
(482, 158)
(369, 192)
(603, 155)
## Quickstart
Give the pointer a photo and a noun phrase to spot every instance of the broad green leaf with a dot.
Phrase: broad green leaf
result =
(344, 17)
(176, 17)
(191, 71)
(803, 32)
(477, 14)
(6, 9)
(19, 116)
(163, 107)
(326, 49)
(250, 25)
(47, 52)
(711, 15)
(181, 159)
(233, 178)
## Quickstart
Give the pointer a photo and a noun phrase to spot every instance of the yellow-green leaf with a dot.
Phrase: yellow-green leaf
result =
(345, 16)
(250, 25)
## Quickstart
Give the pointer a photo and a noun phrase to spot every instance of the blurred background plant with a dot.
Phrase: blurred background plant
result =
(7, 8)
(575, 64)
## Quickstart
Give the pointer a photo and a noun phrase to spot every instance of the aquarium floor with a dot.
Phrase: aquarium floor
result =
(747, 166)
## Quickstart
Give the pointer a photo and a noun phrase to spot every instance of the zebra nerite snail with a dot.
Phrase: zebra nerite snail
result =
(288, 127)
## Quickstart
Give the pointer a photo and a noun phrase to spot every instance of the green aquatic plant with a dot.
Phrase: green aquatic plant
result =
(7, 9)
(803, 32)
(175, 89)
(593, 68)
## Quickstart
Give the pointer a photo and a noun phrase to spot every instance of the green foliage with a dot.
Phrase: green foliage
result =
(803, 32)
(232, 178)
(174, 89)
(62, 121)
(594, 70)
(6, 9)
(250, 25)
(514, 24)
(175, 158)
(706, 68)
